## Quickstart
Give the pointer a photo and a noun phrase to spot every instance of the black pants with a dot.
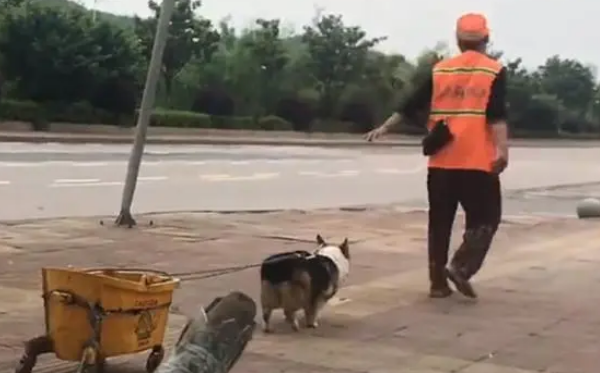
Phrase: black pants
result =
(479, 195)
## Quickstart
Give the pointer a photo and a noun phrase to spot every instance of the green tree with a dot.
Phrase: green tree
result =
(520, 90)
(267, 52)
(189, 37)
(53, 55)
(119, 74)
(559, 96)
(570, 81)
(322, 79)
(5, 5)
(425, 62)
(338, 56)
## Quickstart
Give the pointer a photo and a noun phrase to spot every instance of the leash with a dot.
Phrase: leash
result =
(204, 274)
(216, 272)
(208, 273)
(183, 276)
(195, 275)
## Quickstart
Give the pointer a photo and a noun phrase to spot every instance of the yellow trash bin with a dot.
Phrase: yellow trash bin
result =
(94, 314)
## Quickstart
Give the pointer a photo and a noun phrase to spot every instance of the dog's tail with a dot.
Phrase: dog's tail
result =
(301, 278)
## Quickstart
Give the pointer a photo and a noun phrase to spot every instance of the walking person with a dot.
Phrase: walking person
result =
(467, 147)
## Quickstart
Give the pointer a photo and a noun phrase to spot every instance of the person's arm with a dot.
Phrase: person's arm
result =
(497, 113)
(419, 100)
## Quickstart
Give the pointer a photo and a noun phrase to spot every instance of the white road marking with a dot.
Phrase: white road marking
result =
(94, 184)
(227, 177)
(148, 163)
(55, 164)
(263, 176)
(75, 181)
(397, 171)
(344, 173)
(347, 173)
(4, 182)
(276, 161)
(310, 173)
(152, 178)
(215, 177)
(17, 164)
(290, 160)
(89, 164)
(167, 163)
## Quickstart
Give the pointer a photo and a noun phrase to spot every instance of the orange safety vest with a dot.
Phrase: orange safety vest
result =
(461, 91)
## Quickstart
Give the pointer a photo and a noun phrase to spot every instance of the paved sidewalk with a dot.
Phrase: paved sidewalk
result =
(537, 312)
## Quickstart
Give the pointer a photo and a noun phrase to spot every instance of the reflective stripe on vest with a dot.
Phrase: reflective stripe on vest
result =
(458, 112)
(461, 92)
(465, 70)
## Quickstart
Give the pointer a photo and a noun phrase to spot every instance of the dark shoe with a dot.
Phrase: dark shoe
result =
(462, 284)
(440, 292)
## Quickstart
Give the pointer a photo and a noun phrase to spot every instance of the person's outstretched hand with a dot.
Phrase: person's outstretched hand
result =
(376, 133)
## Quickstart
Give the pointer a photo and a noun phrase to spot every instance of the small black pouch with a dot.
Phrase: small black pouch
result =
(437, 138)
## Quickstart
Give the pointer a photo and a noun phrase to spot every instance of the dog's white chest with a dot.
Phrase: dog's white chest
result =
(340, 261)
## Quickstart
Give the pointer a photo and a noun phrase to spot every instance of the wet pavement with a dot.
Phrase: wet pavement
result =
(537, 310)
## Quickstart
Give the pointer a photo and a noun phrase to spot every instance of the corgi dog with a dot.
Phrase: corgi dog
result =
(300, 280)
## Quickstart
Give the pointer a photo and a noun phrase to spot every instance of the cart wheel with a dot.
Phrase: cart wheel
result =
(155, 358)
(26, 364)
(91, 361)
(100, 364)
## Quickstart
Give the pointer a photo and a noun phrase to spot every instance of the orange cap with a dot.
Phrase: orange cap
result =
(472, 27)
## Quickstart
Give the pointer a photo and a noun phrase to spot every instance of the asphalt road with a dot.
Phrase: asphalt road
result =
(51, 180)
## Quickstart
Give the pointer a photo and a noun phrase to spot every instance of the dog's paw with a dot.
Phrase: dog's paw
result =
(295, 326)
(313, 325)
(267, 329)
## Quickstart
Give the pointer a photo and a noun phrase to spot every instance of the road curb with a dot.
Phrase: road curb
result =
(148, 218)
(166, 140)
(80, 138)
(109, 219)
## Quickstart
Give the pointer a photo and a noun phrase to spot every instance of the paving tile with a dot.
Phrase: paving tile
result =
(535, 314)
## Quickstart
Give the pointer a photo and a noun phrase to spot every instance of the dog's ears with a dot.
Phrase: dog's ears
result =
(321, 241)
(345, 247)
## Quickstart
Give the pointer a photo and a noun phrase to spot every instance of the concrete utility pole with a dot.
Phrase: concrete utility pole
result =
(133, 168)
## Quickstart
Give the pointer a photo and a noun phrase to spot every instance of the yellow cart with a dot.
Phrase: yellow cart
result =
(95, 314)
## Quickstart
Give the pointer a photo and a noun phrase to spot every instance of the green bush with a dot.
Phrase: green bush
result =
(40, 116)
(179, 119)
(21, 111)
(241, 123)
(274, 123)
(25, 111)
(188, 119)
(232, 123)
(79, 113)
(330, 126)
